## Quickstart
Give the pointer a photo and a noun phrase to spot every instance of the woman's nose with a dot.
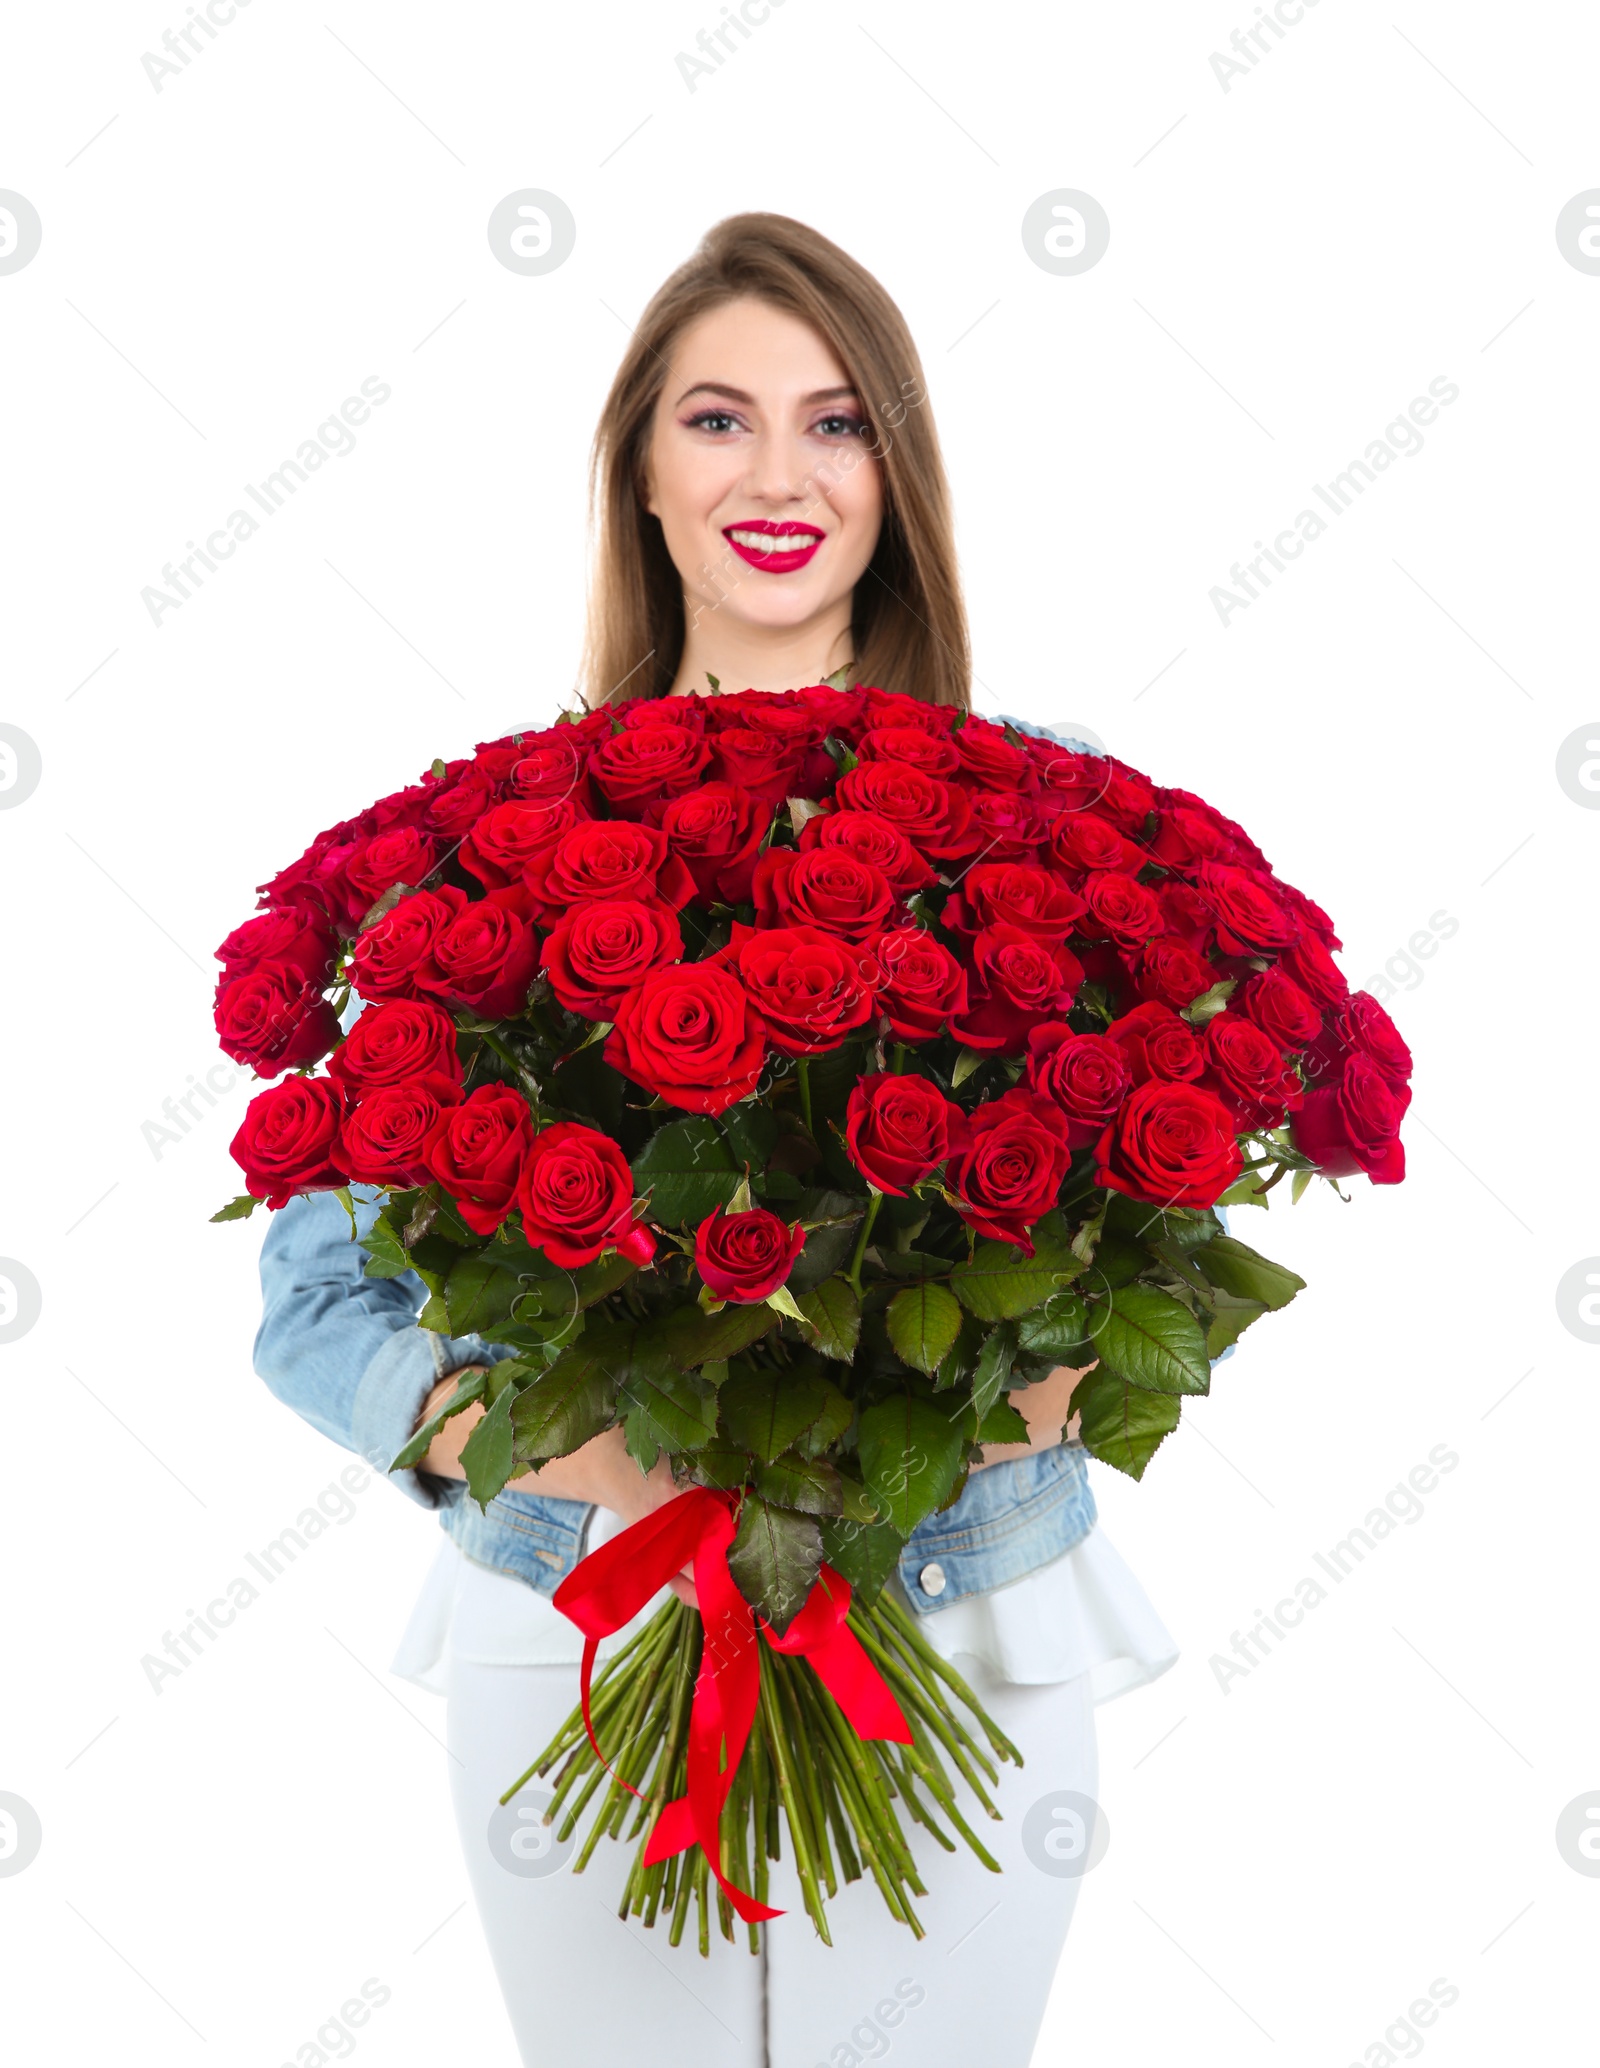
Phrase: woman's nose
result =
(778, 468)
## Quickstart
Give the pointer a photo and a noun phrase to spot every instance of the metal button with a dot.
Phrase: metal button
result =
(931, 1579)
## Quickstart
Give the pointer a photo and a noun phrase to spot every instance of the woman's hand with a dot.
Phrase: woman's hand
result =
(600, 1472)
(1044, 1408)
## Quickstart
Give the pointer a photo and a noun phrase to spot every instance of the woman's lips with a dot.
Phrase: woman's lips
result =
(774, 548)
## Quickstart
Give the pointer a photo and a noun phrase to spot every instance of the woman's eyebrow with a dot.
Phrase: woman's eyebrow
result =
(739, 395)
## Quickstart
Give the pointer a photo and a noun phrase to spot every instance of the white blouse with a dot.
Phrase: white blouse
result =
(1084, 1613)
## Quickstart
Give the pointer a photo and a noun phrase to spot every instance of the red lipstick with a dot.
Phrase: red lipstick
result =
(792, 545)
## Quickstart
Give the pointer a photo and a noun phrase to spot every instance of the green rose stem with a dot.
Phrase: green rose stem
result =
(798, 1834)
(803, 1079)
(899, 1063)
(854, 1273)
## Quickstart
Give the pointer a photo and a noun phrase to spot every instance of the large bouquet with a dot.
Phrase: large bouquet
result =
(788, 1079)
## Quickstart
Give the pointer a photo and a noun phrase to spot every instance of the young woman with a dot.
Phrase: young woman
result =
(772, 511)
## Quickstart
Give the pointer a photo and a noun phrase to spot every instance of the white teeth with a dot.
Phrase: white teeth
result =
(764, 542)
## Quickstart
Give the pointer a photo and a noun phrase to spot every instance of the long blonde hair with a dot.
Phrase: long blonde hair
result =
(908, 622)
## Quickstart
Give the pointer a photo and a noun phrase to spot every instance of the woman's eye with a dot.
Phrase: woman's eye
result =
(837, 426)
(712, 420)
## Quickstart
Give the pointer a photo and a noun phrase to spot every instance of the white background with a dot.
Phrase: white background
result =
(1293, 1861)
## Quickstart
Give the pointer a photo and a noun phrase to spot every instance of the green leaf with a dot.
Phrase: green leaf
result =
(688, 1169)
(808, 1484)
(774, 1559)
(1244, 1272)
(1245, 1191)
(1298, 1184)
(469, 1389)
(924, 1320)
(673, 1409)
(696, 1338)
(1059, 1330)
(574, 1400)
(1182, 1228)
(239, 1209)
(966, 1062)
(836, 1416)
(386, 1255)
(1229, 1321)
(752, 1131)
(833, 1313)
(346, 1199)
(1210, 1003)
(911, 1453)
(1117, 1261)
(486, 1456)
(858, 1504)
(723, 1465)
(990, 1376)
(864, 1553)
(1000, 1283)
(1122, 1425)
(1002, 1424)
(1151, 1340)
(594, 1281)
(782, 1302)
(478, 1293)
(767, 1411)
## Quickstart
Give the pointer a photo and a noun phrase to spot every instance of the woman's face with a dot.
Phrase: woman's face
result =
(769, 499)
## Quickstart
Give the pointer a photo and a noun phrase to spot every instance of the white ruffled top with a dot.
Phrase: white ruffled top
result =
(1083, 1613)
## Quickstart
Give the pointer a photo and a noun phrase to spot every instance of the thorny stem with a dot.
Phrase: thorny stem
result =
(854, 1273)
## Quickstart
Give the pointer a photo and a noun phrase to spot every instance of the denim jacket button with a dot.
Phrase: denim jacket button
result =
(931, 1579)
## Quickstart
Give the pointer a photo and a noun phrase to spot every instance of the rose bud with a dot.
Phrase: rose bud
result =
(285, 1141)
(274, 1018)
(1171, 1144)
(1355, 1125)
(576, 1196)
(1085, 1075)
(476, 1151)
(383, 1140)
(746, 1256)
(899, 1129)
(690, 1034)
(1010, 1174)
(602, 949)
(397, 1041)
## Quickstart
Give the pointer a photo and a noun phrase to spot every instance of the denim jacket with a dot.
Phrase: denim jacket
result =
(346, 1353)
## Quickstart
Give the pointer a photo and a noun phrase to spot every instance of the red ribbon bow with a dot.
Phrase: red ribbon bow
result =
(610, 1586)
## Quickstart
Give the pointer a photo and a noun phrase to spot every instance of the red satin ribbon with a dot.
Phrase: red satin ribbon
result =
(611, 1585)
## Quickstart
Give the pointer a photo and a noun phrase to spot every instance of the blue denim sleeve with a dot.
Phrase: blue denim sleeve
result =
(343, 1350)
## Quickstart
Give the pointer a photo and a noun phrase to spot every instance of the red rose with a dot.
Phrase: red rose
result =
(602, 949)
(1354, 1125)
(688, 714)
(1086, 1076)
(387, 958)
(606, 858)
(1310, 914)
(1010, 1174)
(1007, 825)
(990, 762)
(635, 769)
(1014, 894)
(899, 1129)
(1248, 1073)
(1069, 782)
(274, 1018)
(1157, 1043)
(835, 711)
(286, 936)
(934, 816)
(921, 985)
(1358, 1022)
(716, 831)
(399, 1040)
(811, 988)
(1171, 1144)
(402, 855)
(1017, 981)
(1279, 1007)
(870, 839)
(551, 772)
(576, 1196)
(505, 840)
(1249, 920)
(829, 887)
(764, 764)
(893, 707)
(745, 1256)
(912, 746)
(1127, 911)
(1171, 971)
(485, 958)
(1183, 839)
(383, 1139)
(1310, 965)
(689, 1034)
(1083, 840)
(476, 1151)
(285, 1141)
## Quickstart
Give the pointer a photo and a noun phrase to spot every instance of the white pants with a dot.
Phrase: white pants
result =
(581, 1985)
